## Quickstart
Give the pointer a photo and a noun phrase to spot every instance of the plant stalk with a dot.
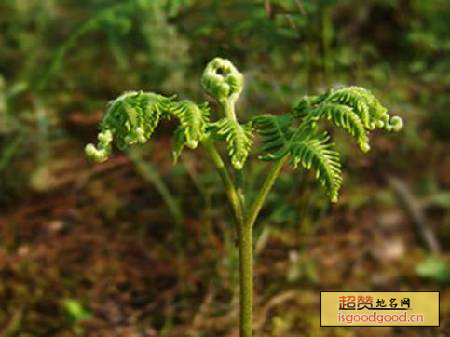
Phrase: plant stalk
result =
(228, 107)
(265, 189)
(245, 221)
(245, 232)
(245, 280)
(230, 188)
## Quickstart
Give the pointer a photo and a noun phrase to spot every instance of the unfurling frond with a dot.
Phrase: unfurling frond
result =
(129, 119)
(238, 138)
(193, 119)
(275, 131)
(103, 149)
(355, 109)
(177, 144)
(317, 153)
(222, 80)
(133, 117)
(364, 103)
(344, 117)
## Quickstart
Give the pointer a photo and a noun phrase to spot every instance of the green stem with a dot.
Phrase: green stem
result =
(245, 280)
(230, 188)
(240, 187)
(245, 223)
(246, 252)
(262, 195)
(228, 107)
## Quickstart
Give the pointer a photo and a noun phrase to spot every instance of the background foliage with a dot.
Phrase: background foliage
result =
(137, 247)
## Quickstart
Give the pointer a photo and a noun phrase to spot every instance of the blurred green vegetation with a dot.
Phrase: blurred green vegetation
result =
(104, 236)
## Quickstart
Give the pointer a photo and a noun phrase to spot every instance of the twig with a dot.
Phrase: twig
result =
(412, 206)
(149, 173)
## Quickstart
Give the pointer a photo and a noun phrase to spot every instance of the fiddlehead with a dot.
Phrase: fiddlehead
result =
(102, 151)
(133, 117)
(296, 136)
(224, 82)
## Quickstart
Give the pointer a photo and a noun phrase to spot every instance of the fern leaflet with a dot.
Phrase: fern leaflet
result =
(193, 119)
(238, 138)
(344, 117)
(129, 119)
(317, 153)
(275, 131)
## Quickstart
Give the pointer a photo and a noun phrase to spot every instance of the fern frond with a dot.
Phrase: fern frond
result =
(317, 153)
(178, 142)
(129, 119)
(222, 80)
(344, 117)
(238, 138)
(275, 131)
(133, 117)
(355, 109)
(363, 102)
(103, 149)
(193, 119)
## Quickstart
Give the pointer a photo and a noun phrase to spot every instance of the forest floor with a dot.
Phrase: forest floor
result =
(93, 256)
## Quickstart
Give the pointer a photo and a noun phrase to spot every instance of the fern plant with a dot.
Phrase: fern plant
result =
(295, 138)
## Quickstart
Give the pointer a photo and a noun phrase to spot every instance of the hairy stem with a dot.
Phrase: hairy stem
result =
(240, 187)
(245, 246)
(246, 252)
(245, 280)
(228, 107)
(245, 221)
